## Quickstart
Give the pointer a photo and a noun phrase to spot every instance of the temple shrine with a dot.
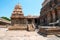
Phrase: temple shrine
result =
(21, 22)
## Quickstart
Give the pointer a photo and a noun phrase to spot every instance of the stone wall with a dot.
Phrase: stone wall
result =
(50, 12)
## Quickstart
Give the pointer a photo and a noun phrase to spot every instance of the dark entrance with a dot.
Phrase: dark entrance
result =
(36, 23)
(29, 21)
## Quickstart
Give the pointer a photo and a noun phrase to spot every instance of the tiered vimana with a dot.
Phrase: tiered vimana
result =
(19, 21)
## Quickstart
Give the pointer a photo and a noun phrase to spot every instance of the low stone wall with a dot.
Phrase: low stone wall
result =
(3, 26)
(50, 30)
(48, 27)
(16, 27)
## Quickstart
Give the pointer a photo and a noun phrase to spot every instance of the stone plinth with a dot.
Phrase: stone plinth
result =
(49, 31)
(29, 27)
(18, 27)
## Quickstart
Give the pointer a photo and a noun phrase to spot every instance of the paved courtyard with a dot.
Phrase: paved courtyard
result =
(23, 35)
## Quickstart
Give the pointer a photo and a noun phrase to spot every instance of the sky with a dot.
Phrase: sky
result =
(30, 7)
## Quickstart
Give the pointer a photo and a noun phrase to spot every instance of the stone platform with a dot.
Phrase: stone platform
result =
(6, 34)
(18, 27)
(28, 27)
(50, 31)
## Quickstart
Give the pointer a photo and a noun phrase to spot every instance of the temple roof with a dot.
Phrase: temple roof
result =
(45, 2)
(28, 17)
(17, 11)
(18, 6)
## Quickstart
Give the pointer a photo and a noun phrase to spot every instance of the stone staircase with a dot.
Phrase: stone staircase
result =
(30, 27)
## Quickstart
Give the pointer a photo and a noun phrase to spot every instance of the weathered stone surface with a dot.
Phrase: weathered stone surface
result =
(18, 27)
(31, 27)
(49, 31)
(23, 35)
(50, 12)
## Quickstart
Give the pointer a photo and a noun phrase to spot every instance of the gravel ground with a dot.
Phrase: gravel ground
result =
(23, 35)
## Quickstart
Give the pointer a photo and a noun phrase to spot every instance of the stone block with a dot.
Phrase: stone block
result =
(30, 27)
(21, 27)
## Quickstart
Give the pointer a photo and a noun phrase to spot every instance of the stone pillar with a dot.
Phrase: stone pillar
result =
(32, 21)
(26, 21)
(51, 16)
(53, 13)
(41, 21)
(58, 11)
(48, 18)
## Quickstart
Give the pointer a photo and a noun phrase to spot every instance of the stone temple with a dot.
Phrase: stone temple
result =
(49, 16)
(50, 13)
(21, 22)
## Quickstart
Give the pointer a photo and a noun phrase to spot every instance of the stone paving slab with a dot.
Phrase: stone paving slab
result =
(23, 35)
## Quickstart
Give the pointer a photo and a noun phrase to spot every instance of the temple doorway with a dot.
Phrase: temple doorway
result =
(29, 21)
(36, 23)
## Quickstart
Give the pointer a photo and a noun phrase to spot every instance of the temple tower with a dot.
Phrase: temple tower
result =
(21, 22)
(17, 11)
(17, 15)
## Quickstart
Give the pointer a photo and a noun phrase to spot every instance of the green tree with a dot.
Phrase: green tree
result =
(6, 18)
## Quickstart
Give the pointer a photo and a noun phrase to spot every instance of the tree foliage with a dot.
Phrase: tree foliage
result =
(6, 18)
